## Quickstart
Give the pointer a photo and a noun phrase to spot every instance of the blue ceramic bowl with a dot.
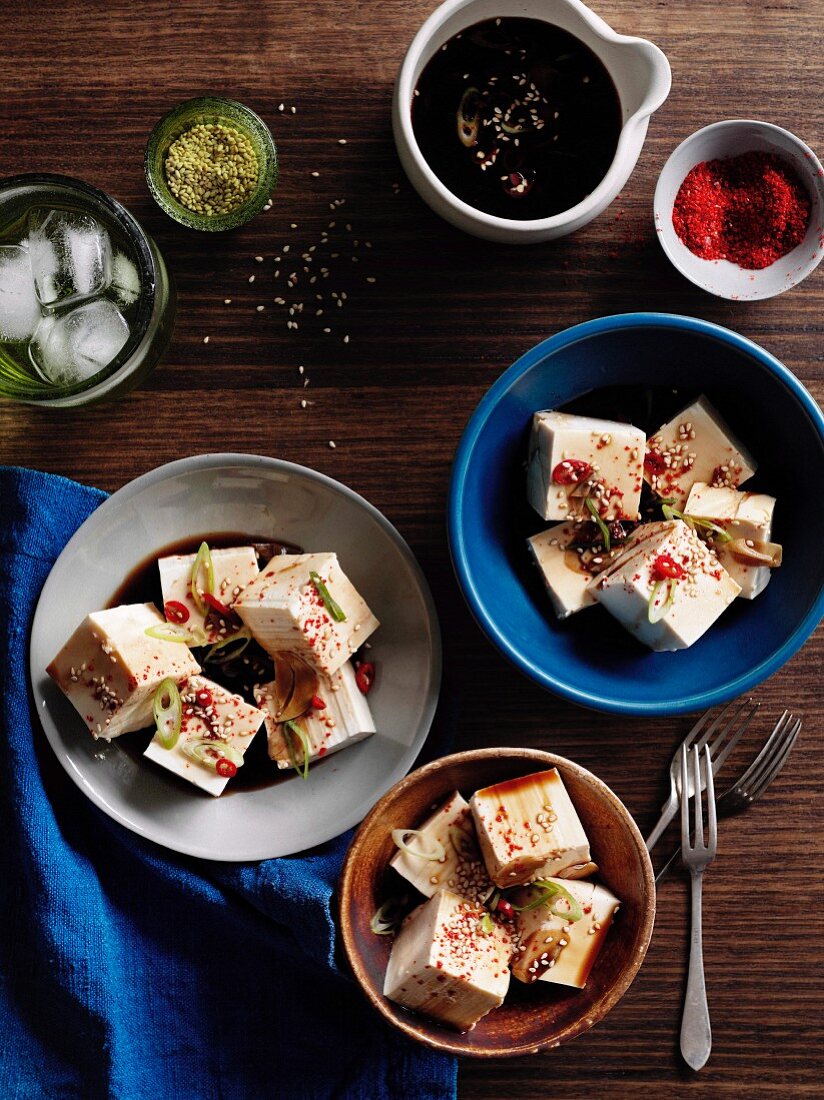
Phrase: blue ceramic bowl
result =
(589, 658)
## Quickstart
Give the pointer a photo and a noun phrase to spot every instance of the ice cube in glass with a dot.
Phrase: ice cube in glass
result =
(19, 308)
(71, 257)
(75, 346)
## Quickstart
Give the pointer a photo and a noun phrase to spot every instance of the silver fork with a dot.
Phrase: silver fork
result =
(728, 728)
(757, 778)
(696, 1034)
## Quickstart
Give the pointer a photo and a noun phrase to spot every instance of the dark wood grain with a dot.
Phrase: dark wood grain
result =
(83, 85)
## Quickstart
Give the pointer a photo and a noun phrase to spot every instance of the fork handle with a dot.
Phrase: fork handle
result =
(696, 1033)
(668, 812)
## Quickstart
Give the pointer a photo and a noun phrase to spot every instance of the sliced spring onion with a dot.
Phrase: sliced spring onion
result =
(388, 916)
(229, 647)
(437, 851)
(203, 560)
(559, 901)
(168, 713)
(171, 632)
(699, 523)
(293, 730)
(487, 924)
(209, 752)
(492, 899)
(467, 117)
(602, 527)
(656, 611)
(334, 609)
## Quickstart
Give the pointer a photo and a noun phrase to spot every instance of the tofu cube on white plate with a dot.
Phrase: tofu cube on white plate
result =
(696, 445)
(743, 516)
(528, 828)
(666, 588)
(343, 720)
(554, 947)
(565, 577)
(287, 609)
(445, 965)
(215, 724)
(572, 458)
(234, 568)
(461, 867)
(110, 668)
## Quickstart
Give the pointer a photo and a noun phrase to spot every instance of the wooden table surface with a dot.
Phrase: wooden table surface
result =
(85, 82)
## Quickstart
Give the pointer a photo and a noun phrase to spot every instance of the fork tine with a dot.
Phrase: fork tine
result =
(734, 734)
(775, 764)
(685, 816)
(699, 809)
(712, 821)
(754, 770)
(690, 740)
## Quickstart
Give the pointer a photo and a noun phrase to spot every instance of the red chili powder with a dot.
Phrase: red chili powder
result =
(751, 210)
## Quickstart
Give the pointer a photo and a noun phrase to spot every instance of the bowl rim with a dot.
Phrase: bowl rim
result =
(813, 175)
(417, 1027)
(627, 137)
(698, 700)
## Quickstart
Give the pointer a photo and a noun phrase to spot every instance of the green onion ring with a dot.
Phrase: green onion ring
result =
(203, 559)
(168, 716)
(334, 609)
(436, 854)
(292, 729)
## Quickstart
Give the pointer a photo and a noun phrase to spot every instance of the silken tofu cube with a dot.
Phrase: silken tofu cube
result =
(212, 718)
(528, 828)
(344, 720)
(743, 516)
(234, 568)
(696, 445)
(575, 457)
(565, 577)
(444, 965)
(461, 869)
(551, 947)
(682, 609)
(286, 613)
(110, 668)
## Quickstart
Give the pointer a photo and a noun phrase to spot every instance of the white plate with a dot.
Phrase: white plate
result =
(262, 496)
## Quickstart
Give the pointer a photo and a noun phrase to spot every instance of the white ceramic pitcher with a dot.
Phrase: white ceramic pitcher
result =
(639, 70)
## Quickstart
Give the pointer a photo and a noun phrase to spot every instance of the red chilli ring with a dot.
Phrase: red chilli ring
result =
(365, 677)
(176, 612)
(225, 768)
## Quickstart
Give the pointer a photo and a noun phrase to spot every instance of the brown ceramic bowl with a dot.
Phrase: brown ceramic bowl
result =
(532, 1017)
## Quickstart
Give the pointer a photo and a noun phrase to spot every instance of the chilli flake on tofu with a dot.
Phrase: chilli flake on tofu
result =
(654, 529)
(504, 875)
(241, 648)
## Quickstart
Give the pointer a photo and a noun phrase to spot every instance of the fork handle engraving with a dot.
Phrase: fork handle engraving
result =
(696, 1034)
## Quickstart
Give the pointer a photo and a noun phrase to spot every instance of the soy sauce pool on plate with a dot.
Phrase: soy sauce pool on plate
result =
(517, 117)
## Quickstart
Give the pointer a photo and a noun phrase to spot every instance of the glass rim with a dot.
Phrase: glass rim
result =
(148, 279)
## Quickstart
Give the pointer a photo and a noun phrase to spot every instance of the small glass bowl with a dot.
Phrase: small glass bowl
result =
(204, 110)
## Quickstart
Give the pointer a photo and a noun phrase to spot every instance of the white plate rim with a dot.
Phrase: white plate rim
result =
(218, 460)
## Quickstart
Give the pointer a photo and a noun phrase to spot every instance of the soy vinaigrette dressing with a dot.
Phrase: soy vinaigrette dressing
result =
(517, 117)
(142, 585)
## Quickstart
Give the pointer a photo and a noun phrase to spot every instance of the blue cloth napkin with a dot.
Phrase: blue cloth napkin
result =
(129, 972)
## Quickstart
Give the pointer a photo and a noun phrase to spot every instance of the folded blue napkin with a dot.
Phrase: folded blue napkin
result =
(129, 972)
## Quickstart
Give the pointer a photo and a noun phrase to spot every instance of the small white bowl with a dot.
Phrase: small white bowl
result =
(729, 139)
(639, 70)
